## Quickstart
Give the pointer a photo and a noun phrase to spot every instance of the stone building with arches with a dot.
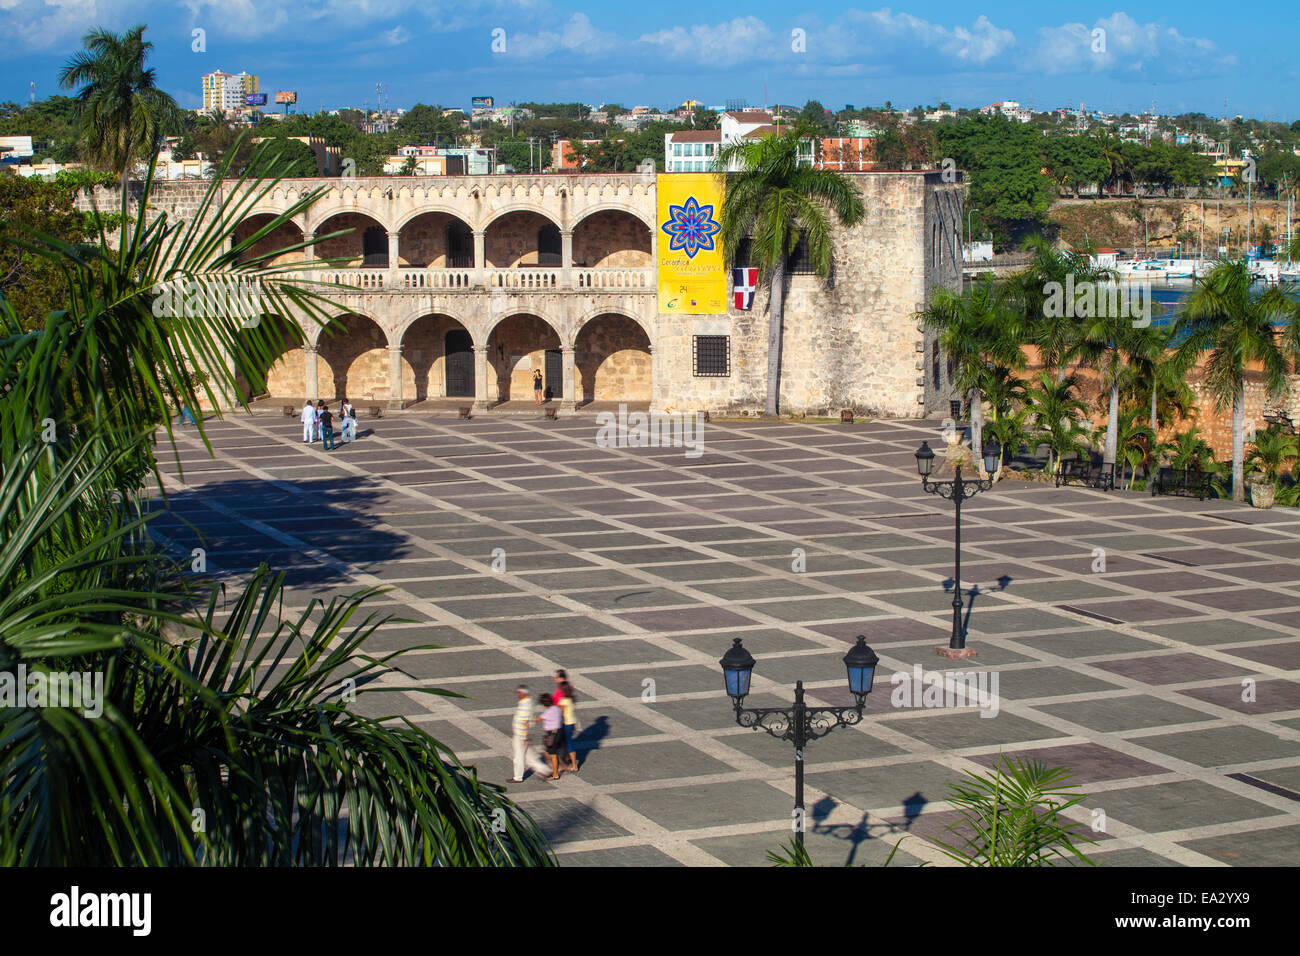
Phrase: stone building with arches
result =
(460, 287)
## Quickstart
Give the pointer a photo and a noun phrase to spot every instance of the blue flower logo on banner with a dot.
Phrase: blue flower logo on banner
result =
(691, 227)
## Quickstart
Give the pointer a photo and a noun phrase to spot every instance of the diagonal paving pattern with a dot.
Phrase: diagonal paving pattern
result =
(1167, 681)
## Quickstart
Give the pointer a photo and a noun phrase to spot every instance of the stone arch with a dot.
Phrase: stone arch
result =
(426, 208)
(647, 326)
(349, 247)
(647, 218)
(515, 347)
(514, 207)
(425, 358)
(275, 369)
(612, 238)
(511, 239)
(612, 360)
(352, 359)
(284, 235)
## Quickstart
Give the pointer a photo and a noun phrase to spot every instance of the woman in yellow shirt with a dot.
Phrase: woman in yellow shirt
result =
(565, 698)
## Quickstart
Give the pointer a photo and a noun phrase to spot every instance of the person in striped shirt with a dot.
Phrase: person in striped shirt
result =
(525, 755)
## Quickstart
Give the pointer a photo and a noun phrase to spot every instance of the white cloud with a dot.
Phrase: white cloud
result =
(722, 44)
(980, 43)
(577, 36)
(1119, 43)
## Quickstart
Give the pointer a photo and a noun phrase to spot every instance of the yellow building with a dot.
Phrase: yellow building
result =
(227, 91)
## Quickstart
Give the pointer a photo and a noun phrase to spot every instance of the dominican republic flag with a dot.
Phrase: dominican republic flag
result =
(743, 283)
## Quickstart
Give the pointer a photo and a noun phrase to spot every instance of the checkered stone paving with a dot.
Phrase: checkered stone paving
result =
(1167, 681)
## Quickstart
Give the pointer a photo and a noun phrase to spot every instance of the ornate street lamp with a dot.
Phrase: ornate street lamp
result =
(800, 723)
(957, 490)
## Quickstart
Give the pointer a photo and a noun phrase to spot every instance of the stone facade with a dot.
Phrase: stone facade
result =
(850, 341)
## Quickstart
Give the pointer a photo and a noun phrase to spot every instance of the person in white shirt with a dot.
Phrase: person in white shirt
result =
(308, 422)
(525, 755)
(349, 414)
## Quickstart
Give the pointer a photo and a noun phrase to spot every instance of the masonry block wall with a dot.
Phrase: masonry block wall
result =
(850, 341)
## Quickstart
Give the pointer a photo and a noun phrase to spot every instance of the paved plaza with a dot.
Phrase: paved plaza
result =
(1167, 681)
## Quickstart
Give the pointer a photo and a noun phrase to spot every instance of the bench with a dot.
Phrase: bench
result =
(1181, 481)
(1100, 475)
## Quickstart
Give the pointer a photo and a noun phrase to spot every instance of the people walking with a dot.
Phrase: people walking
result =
(308, 422)
(327, 427)
(320, 405)
(567, 700)
(186, 417)
(349, 413)
(525, 756)
(552, 721)
(537, 386)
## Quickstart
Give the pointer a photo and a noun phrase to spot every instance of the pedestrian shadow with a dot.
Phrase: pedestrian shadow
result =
(589, 738)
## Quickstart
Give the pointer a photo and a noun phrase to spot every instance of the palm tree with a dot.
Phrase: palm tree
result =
(1189, 451)
(240, 720)
(1237, 328)
(1105, 341)
(1055, 333)
(120, 110)
(1270, 453)
(1058, 417)
(978, 331)
(777, 202)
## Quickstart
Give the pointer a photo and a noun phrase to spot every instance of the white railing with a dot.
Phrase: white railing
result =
(357, 278)
(612, 279)
(448, 279)
(535, 280)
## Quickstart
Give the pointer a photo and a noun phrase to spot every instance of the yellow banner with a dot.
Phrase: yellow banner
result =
(692, 273)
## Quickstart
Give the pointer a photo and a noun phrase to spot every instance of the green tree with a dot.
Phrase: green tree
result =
(282, 156)
(1058, 417)
(121, 112)
(776, 203)
(423, 125)
(979, 332)
(1003, 160)
(1235, 328)
(1271, 452)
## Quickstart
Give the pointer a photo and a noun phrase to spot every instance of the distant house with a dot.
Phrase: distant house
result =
(16, 150)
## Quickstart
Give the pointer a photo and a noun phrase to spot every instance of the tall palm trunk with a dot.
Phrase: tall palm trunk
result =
(976, 427)
(1238, 442)
(1112, 425)
(776, 318)
(1155, 431)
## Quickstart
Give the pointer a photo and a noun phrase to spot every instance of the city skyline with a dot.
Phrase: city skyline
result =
(525, 50)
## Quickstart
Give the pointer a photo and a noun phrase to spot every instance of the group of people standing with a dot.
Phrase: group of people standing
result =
(318, 423)
(559, 720)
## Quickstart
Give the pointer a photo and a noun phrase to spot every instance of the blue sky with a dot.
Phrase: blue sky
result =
(1185, 57)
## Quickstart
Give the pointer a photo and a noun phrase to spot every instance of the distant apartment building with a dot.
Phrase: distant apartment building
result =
(691, 150)
(1010, 109)
(935, 116)
(227, 91)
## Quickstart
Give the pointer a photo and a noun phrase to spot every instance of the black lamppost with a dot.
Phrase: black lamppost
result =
(800, 723)
(958, 490)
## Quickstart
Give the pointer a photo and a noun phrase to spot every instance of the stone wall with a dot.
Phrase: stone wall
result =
(347, 247)
(850, 341)
(423, 241)
(612, 361)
